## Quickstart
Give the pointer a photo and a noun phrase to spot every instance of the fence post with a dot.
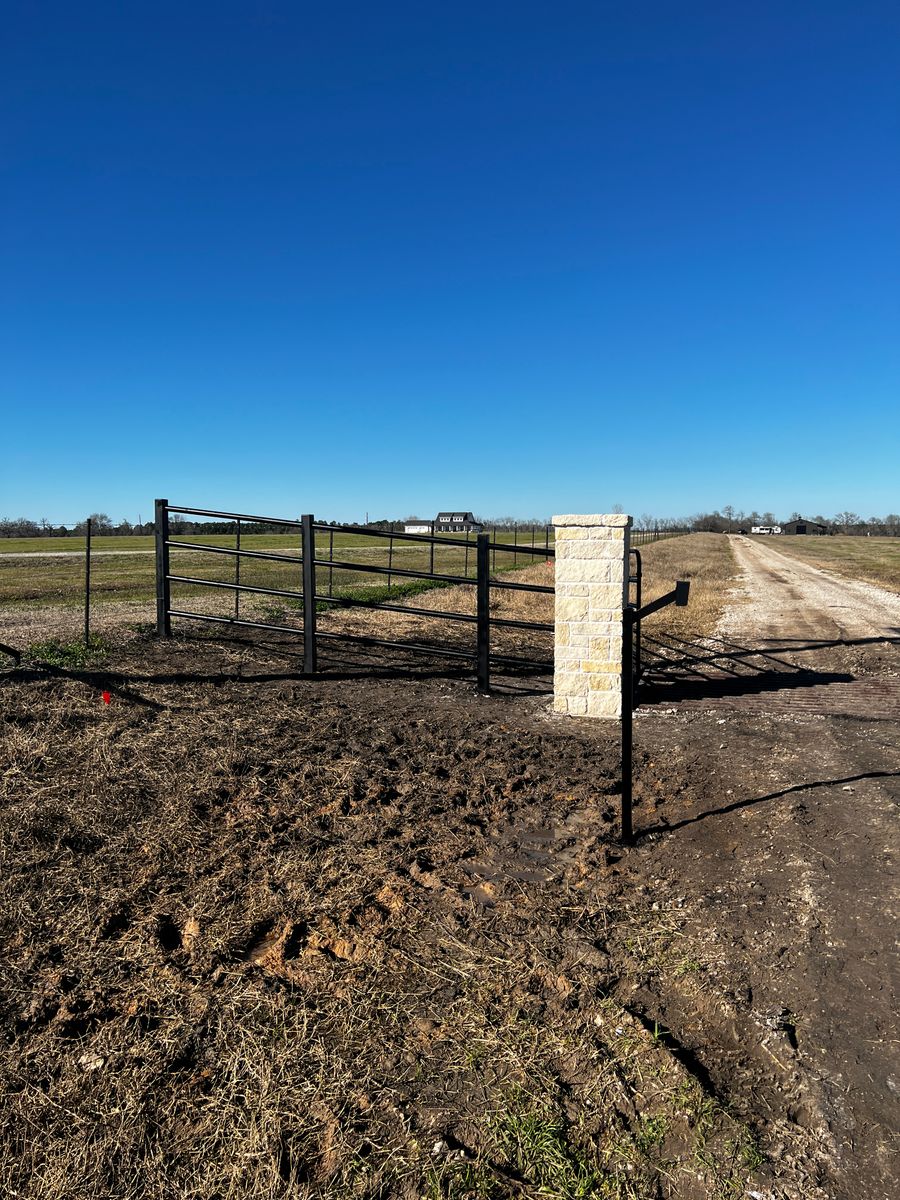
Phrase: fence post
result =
(483, 602)
(308, 536)
(237, 571)
(163, 587)
(431, 556)
(87, 582)
(627, 720)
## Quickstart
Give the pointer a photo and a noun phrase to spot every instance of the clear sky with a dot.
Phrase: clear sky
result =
(512, 257)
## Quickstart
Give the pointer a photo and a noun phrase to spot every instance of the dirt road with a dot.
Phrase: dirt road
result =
(782, 735)
(788, 599)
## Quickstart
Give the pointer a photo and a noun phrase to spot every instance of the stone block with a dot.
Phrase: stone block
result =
(574, 608)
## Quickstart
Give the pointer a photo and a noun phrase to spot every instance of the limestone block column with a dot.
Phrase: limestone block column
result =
(592, 569)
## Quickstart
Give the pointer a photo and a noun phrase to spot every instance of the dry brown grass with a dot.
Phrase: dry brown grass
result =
(706, 560)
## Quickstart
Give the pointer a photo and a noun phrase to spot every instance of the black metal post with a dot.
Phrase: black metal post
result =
(466, 564)
(483, 610)
(308, 536)
(87, 582)
(163, 591)
(237, 572)
(331, 560)
(627, 730)
(431, 555)
(515, 542)
(638, 601)
(390, 557)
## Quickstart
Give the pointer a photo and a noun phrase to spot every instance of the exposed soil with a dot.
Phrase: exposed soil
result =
(372, 934)
(787, 725)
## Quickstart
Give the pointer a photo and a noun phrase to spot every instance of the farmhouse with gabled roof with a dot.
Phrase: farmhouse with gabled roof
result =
(456, 522)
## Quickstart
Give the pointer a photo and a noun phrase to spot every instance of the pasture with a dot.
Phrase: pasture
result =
(35, 571)
(874, 559)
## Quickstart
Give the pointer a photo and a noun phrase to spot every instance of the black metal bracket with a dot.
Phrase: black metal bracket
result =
(678, 596)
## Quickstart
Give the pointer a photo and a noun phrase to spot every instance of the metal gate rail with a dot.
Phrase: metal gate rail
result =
(312, 600)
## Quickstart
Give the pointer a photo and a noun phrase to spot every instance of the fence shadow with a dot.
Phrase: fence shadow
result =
(280, 662)
(752, 801)
(716, 668)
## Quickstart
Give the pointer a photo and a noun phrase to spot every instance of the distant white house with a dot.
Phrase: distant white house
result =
(446, 522)
(457, 522)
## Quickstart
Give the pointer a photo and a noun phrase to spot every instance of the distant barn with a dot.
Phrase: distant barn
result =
(804, 526)
(456, 522)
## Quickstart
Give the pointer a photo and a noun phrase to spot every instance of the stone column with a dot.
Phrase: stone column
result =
(592, 568)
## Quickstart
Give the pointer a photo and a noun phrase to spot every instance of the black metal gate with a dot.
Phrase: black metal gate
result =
(314, 599)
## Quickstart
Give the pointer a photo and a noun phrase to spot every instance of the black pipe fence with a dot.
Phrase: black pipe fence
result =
(317, 591)
(644, 537)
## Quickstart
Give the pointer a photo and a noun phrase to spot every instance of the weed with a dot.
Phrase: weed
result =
(651, 1134)
(74, 655)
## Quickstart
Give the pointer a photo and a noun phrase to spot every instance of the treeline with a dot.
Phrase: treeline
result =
(101, 524)
(24, 527)
(731, 520)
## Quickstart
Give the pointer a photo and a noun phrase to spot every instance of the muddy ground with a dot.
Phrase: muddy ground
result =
(373, 935)
(787, 850)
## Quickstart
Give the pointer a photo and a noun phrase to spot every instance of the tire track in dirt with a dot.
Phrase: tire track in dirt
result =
(794, 639)
(787, 599)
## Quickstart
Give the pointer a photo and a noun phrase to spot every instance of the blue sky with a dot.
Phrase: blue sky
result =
(519, 258)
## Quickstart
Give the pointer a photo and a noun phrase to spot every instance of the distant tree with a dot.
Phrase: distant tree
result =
(795, 516)
(100, 523)
(19, 527)
(892, 524)
(846, 520)
(728, 514)
(713, 522)
(768, 518)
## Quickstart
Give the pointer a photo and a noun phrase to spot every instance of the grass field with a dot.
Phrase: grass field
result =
(875, 559)
(41, 595)
(51, 571)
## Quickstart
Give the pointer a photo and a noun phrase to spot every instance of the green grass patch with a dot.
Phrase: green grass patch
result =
(73, 655)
